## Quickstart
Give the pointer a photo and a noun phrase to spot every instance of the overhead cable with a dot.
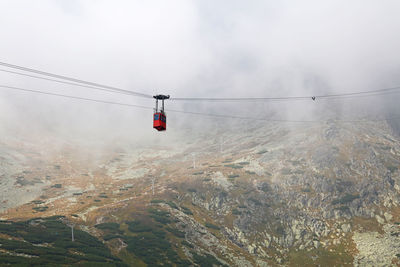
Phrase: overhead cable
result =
(382, 91)
(73, 97)
(188, 112)
(74, 80)
(64, 82)
(97, 86)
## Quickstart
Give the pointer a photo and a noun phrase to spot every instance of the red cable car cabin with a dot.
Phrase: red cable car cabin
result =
(160, 121)
(159, 118)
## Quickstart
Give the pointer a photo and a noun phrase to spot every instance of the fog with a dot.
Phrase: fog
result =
(193, 49)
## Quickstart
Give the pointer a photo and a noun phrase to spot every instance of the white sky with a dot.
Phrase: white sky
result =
(191, 48)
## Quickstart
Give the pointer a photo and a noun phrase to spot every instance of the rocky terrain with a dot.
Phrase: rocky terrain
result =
(278, 194)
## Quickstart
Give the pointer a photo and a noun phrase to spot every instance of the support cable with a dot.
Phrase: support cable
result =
(74, 80)
(189, 112)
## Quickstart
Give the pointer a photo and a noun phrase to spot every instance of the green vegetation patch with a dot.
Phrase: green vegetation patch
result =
(255, 201)
(85, 250)
(392, 168)
(186, 210)
(321, 257)
(236, 212)
(175, 232)
(40, 209)
(138, 227)
(185, 243)
(153, 249)
(280, 230)
(172, 205)
(111, 226)
(198, 173)
(212, 226)
(343, 208)
(233, 176)
(207, 260)
(306, 190)
(160, 216)
(157, 201)
(234, 166)
(345, 199)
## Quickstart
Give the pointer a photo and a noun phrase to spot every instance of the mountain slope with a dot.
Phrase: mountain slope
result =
(268, 195)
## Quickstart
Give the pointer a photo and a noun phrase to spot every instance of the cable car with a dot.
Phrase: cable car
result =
(159, 117)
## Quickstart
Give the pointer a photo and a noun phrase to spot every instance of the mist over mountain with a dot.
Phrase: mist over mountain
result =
(308, 177)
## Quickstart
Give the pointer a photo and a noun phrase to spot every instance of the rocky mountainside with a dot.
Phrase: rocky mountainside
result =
(295, 195)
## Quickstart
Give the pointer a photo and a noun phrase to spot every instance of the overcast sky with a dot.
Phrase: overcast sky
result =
(190, 48)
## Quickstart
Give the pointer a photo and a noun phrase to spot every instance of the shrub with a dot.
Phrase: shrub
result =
(236, 212)
(345, 199)
(86, 250)
(186, 211)
(152, 248)
(108, 226)
(212, 226)
(206, 260)
(392, 168)
(255, 201)
(234, 166)
(185, 243)
(280, 230)
(160, 216)
(172, 204)
(40, 209)
(137, 227)
(175, 232)
(156, 201)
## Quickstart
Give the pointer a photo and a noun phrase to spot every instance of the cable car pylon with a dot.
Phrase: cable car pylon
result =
(160, 118)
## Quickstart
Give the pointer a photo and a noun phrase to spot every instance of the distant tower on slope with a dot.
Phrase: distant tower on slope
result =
(194, 160)
(152, 184)
(72, 233)
(70, 224)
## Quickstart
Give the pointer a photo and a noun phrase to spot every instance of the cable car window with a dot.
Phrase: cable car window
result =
(156, 117)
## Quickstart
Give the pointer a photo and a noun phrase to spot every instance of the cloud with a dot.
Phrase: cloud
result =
(194, 48)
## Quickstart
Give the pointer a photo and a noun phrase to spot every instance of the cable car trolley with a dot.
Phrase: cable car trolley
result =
(160, 118)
